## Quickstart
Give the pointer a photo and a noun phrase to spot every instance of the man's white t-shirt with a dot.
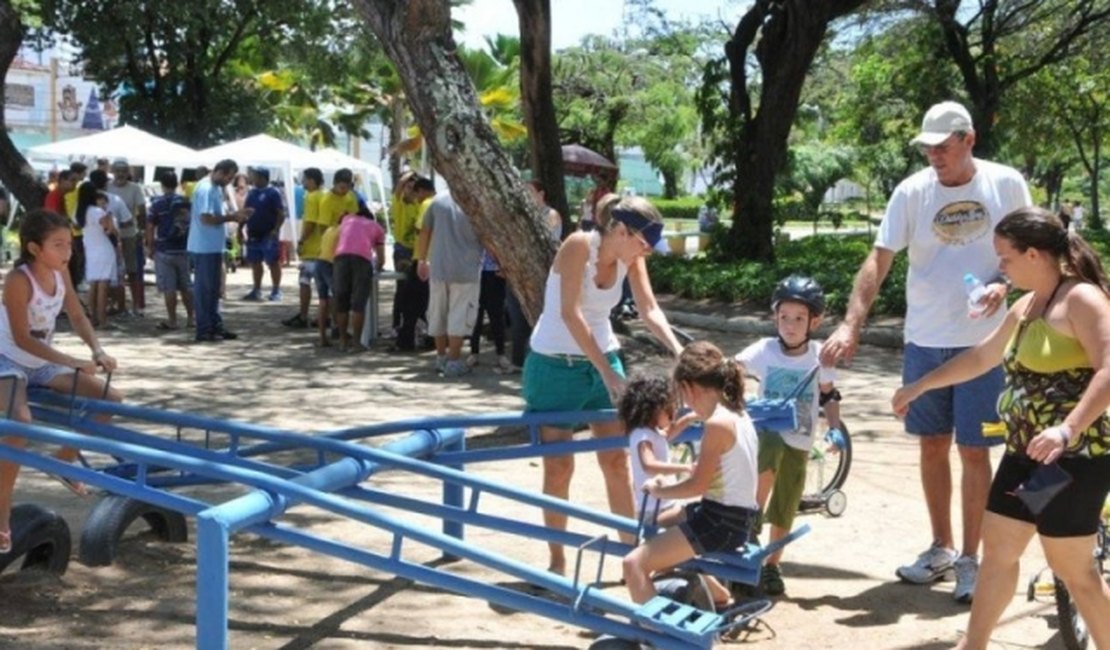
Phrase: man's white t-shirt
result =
(779, 374)
(949, 231)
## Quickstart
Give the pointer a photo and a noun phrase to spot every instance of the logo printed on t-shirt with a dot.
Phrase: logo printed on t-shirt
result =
(781, 382)
(962, 222)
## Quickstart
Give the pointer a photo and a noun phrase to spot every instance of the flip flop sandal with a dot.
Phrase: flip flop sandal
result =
(166, 327)
(5, 542)
(76, 487)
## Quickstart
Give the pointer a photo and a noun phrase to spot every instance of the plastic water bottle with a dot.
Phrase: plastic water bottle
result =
(976, 293)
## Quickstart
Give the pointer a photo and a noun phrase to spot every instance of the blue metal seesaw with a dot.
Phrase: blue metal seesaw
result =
(147, 466)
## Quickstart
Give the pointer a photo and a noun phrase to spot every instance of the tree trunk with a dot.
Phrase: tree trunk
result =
(1094, 221)
(786, 36)
(670, 185)
(396, 136)
(416, 35)
(539, 102)
(15, 173)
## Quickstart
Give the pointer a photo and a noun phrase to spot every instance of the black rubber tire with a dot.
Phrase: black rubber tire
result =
(684, 587)
(41, 538)
(113, 515)
(613, 643)
(1068, 620)
(840, 476)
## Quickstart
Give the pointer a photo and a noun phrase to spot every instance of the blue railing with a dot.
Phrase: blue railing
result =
(145, 463)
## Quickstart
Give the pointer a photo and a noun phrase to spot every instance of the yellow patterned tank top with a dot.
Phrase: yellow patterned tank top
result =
(1046, 374)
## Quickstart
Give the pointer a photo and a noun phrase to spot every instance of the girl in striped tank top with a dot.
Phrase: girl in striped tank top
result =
(34, 293)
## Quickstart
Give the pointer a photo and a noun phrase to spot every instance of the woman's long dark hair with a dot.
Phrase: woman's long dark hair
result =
(1038, 228)
(86, 196)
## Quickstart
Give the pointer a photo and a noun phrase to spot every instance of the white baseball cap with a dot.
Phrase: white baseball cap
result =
(941, 121)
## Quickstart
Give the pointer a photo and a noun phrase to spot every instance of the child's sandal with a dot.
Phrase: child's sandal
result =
(76, 487)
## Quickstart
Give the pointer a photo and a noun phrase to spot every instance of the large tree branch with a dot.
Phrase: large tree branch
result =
(1060, 47)
(245, 20)
(416, 35)
(15, 173)
(534, 17)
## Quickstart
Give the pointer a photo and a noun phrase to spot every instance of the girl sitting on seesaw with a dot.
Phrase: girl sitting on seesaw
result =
(724, 475)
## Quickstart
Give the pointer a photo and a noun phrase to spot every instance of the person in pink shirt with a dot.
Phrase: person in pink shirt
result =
(359, 253)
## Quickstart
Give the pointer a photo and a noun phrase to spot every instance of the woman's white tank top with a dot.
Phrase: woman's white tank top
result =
(735, 480)
(42, 314)
(551, 335)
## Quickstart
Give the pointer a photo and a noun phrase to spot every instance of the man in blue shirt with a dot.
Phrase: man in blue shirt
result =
(263, 232)
(207, 237)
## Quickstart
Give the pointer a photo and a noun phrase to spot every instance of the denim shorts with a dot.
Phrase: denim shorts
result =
(171, 272)
(962, 408)
(263, 250)
(307, 275)
(41, 376)
(323, 279)
(713, 527)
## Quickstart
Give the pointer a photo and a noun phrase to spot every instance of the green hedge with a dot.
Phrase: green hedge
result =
(831, 260)
(684, 208)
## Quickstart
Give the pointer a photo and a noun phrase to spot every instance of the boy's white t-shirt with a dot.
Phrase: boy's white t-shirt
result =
(948, 232)
(660, 450)
(779, 375)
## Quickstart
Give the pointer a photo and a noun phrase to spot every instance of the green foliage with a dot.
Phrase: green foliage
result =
(685, 208)
(189, 71)
(832, 260)
(634, 91)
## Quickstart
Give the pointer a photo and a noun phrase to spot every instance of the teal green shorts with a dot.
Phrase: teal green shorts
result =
(789, 465)
(565, 383)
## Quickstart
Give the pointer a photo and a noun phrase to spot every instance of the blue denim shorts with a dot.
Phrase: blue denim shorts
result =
(41, 376)
(712, 527)
(263, 250)
(962, 408)
(323, 277)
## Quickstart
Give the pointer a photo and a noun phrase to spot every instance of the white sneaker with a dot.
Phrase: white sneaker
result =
(472, 360)
(967, 570)
(456, 368)
(504, 366)
(932, 565)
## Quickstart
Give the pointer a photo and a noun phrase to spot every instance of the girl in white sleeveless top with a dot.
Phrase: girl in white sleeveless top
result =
(573, 364)
(724, 477)
(34, 293)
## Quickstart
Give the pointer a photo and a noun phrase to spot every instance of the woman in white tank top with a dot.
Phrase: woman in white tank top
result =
(724, 477)
(573, 365)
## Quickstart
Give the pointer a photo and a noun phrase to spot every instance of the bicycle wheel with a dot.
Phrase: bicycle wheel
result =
(829, 463)
(1073, 630)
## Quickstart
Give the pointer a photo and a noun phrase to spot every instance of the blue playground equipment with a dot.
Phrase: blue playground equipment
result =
(327, 471)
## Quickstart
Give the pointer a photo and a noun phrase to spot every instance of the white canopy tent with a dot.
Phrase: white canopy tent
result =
(372, 184)
(136, 145)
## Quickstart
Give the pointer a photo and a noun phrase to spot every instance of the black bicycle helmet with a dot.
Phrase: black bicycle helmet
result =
(801, 289)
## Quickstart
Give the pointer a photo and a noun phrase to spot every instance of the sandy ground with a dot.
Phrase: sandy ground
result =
(840, 579)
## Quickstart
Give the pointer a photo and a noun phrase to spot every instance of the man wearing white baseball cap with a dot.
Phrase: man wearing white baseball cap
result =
(944, 216)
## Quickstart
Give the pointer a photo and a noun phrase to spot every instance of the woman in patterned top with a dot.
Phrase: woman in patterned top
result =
(1055, 348)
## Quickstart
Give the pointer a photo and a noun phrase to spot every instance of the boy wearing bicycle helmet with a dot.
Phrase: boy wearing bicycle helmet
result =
(780, 363)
